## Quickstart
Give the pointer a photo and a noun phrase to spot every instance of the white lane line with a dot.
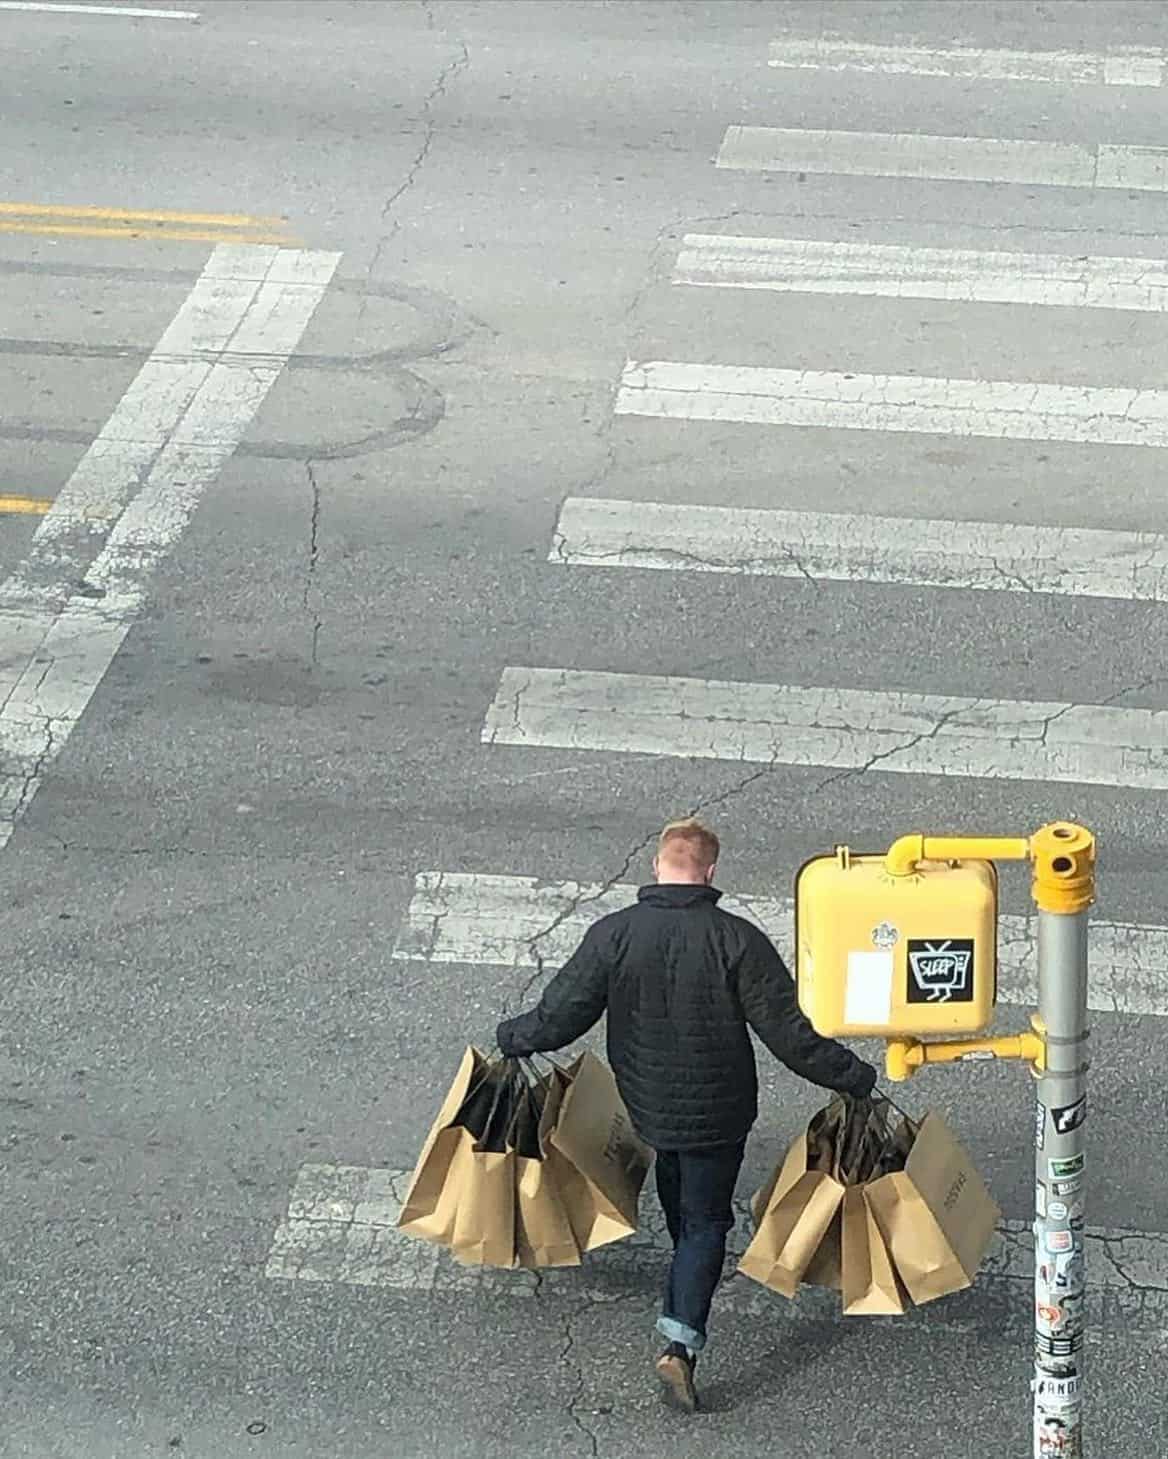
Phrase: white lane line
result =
(1134, 67)
(177, 424)
(845, 729)
(526, 922)
(891, 271)
(840, 547)
(239, 282)
(955, 159)
(1026, 410)
(340, 1227)
(133, 12)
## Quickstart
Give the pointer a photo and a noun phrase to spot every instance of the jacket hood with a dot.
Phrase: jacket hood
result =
(677, 894)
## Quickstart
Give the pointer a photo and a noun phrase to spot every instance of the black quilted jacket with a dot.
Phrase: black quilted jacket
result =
(681, 981)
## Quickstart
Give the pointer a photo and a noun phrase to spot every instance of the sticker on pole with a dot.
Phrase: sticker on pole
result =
(1040, 1126)
(1053, 1439)
(1069, 1117)
(1057, 1393)
(1057, 1345)
(1064, 1169)
(940, 971)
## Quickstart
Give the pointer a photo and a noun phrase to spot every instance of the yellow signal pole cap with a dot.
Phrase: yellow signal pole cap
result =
(1063, 858)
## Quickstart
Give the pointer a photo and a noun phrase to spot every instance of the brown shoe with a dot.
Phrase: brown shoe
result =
(675, 1368)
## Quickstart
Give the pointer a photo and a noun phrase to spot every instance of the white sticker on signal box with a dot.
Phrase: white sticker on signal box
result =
(868, 990)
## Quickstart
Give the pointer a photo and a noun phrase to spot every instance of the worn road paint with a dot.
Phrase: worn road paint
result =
(1025, 410)
(24, 506)
(839, 547)
(340, 1227)
(137, 234)
(135, 215)
(134, 492)
(1134, 67)
(491, 920)
(877, 270)
(132, 12)
(954, 159)
(845, 729)
(67, 220)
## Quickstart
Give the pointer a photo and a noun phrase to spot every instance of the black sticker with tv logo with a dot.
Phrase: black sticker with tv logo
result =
(940, 970)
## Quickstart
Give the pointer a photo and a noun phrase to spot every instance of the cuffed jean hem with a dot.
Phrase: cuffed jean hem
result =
(675, 1331)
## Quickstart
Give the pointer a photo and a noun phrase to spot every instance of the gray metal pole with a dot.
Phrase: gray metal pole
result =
(1060, 1288)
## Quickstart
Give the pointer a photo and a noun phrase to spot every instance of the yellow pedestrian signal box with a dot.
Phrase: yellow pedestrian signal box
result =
(880, 955)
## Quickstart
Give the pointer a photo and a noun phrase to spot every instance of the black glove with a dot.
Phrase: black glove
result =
(503, 1039)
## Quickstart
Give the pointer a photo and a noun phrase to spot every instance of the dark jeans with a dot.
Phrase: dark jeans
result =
(696, 1189)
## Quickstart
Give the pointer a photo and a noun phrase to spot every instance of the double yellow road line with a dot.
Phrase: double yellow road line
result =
(63, 221)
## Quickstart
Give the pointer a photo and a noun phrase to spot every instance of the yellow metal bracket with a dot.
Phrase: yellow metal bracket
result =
(1062, 855)
(905, 1056)
(905, 854)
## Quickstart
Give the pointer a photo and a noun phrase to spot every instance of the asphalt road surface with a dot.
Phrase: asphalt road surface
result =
(438, 442)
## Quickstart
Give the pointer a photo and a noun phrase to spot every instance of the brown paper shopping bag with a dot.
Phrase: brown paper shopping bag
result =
(825, 1269)
(850, 1141)
(936, 1216)
(794, 1212)
(483, 1185)
(429, 1207)
(461, 1194)
(595, 1155)
(868, 1280)
(543, 1229)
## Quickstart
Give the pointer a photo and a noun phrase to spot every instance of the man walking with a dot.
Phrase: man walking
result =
(682, 983)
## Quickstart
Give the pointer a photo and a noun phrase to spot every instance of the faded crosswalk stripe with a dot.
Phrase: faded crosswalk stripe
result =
(1132, 66)
(847, 729)
(893, 271)
(340, 1227)
(526, 922)
(953, 159)
(65, 613)
(841, 547)
(1024, 410)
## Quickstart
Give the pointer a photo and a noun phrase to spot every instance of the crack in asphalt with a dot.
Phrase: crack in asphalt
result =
(429, 128)
(566, 1357)
(313, 608)
(32, 775)
(1108, 1245)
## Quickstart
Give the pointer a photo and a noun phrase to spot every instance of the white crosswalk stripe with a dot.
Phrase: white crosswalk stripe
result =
(519, 922)
(1127, 67)
(846, 729)
(841, 547)
(893, 271)
(1023, 410)
(952, 159)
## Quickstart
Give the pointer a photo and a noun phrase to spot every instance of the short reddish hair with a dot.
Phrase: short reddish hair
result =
(689, 841)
